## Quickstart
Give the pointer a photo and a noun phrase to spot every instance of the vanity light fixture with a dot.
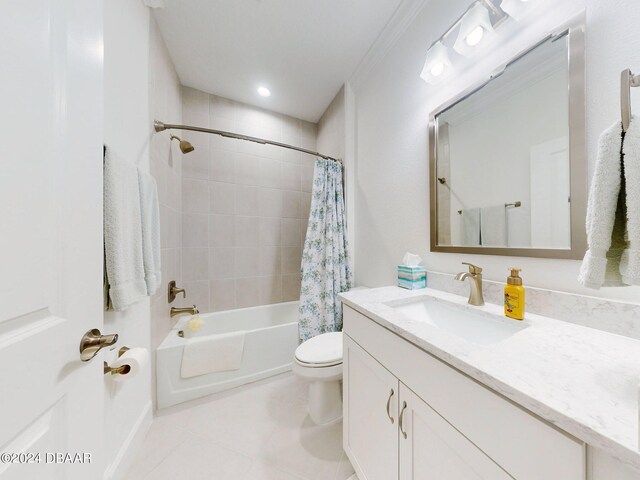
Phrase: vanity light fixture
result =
(264, 91)
(475, 27)
(437, 65)
(517, 9)
(472, 31)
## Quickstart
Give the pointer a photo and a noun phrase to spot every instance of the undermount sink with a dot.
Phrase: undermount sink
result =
(483, 328)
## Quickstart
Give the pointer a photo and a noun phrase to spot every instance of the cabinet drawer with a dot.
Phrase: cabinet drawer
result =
(525, 446)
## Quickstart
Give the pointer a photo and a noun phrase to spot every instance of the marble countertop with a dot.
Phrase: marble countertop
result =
(584, 381)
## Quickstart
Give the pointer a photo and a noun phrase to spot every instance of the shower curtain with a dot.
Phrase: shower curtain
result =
(325, 266)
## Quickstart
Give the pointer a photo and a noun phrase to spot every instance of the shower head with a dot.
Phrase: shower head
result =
(185, 146)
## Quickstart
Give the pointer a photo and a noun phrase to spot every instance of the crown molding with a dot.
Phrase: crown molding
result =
(395, 27)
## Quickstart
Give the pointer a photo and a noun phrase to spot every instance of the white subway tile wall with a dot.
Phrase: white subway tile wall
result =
(245, 205)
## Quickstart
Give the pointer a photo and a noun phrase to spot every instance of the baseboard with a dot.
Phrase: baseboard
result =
(130, 447)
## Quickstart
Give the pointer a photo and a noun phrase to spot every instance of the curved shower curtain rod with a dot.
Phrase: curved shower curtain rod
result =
(160, 126)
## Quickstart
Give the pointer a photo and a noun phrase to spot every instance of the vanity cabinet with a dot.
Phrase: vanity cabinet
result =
(371, 407)
(410, 441)
(410, 416)
(430, 448)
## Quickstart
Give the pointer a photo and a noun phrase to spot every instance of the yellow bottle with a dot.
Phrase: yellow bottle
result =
(514, 296)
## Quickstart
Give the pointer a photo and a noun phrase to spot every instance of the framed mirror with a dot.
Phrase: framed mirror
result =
(508, 169)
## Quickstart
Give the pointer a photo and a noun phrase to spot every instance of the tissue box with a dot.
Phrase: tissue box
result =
(412, 278)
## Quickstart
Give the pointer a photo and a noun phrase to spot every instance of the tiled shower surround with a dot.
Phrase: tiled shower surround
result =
(244, 205)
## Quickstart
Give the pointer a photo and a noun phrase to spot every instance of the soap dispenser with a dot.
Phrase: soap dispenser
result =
(514, 296)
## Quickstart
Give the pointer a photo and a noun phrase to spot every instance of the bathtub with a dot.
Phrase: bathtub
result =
(270, 344)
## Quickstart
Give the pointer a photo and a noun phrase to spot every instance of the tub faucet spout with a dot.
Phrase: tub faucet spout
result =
(183, 311)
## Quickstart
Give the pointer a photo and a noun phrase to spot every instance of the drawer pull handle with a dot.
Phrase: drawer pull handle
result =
(404, 406)
(388, 404)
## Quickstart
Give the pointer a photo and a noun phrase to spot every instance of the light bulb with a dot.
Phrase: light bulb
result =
(475, 36)
(437, 69)
(264, 92)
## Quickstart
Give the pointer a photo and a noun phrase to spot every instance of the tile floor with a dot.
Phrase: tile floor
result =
(256, 432)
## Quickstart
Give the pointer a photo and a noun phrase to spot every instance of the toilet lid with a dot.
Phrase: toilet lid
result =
(321, 350)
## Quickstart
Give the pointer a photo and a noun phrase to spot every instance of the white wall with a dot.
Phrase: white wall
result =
(165, 104)
(331, 128)
(127, 129)
(393, 106)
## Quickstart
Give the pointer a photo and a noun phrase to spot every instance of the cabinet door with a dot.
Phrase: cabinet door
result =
(370, 415)
(434, 450)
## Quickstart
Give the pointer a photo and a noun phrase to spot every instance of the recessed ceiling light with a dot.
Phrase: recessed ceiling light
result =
(264, 92)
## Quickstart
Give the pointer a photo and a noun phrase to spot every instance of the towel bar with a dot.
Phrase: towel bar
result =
(627, 81)
(516, 204)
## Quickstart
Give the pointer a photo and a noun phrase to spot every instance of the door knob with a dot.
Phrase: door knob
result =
(93, 341)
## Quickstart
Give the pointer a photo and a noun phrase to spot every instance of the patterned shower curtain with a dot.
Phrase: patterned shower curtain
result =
(325, 266)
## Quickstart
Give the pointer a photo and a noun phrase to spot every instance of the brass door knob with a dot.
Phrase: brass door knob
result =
(93, 341)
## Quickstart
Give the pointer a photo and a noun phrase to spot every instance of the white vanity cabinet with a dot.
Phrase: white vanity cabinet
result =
(409, 416)
(391, 433)
(430, 448)
(371, 406)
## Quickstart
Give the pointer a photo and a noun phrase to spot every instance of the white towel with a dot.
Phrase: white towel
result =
(493, 226)
(471, 227)
(150, 219)
(630, 261)
(605, 215)
(212, 353)
(122, 233)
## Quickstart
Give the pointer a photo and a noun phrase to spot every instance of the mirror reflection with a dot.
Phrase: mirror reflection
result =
(503, 163)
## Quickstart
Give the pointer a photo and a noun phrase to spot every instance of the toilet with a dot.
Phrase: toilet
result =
(319, 361)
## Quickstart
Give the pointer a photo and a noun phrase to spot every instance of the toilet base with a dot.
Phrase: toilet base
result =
(325, 401)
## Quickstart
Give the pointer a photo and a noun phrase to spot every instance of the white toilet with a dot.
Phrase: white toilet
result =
(319, 361)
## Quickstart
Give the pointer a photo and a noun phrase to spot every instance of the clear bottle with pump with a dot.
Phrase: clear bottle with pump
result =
(514, 296)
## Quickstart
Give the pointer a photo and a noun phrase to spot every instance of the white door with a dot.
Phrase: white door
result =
(550, 192)
(50, 237)
(431, 449)
(370, 415)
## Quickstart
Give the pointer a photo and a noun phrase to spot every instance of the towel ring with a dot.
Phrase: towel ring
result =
(627, 81)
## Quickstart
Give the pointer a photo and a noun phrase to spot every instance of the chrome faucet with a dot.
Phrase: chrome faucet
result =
(183, 311)
(475, 275)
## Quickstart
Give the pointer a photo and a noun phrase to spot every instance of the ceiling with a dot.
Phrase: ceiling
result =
(302, 50)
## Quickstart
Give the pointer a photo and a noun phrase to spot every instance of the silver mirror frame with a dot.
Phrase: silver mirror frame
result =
(575, 31)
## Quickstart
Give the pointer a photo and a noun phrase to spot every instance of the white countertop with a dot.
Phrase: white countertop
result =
(584, 381)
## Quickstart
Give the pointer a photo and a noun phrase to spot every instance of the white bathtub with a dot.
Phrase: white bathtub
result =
(270, 344)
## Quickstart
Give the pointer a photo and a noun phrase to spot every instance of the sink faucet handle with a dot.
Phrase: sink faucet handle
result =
(473, 269)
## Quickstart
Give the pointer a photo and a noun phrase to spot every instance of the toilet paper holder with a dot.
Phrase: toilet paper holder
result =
(122, 369)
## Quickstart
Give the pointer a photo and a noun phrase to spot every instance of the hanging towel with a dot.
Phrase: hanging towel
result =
(471, 227)
(493, 226)
(606, 215)
(630, 261)
(150, 219)
(212, 353)
(122, 233)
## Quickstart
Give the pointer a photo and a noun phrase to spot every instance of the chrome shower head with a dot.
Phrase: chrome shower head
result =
(185, 147)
